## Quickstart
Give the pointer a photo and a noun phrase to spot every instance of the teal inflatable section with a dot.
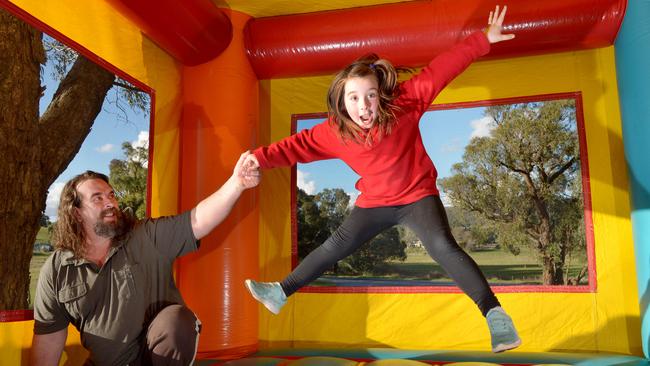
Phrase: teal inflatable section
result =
(632, 49)
(401, 357)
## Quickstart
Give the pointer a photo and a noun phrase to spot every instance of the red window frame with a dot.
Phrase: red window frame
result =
(586, 191)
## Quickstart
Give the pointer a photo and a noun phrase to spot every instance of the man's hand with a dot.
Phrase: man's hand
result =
(247, 171)
(495, 22)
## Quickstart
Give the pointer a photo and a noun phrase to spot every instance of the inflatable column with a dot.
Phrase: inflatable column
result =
(220, 121)
(632, 54)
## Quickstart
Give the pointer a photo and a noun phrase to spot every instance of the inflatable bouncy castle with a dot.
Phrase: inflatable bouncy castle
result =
(227, 76)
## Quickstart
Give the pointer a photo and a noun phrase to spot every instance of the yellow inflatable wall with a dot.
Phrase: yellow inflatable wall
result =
(605, 320)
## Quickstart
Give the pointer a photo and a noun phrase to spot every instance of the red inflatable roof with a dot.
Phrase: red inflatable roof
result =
(193, 31)
(408, 33)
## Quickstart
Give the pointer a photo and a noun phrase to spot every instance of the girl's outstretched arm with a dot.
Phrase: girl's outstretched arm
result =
(316, 143)
(495, 26)
(422, 89)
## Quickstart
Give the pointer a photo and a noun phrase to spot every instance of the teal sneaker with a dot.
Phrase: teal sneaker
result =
(270, 294)
(503, 332)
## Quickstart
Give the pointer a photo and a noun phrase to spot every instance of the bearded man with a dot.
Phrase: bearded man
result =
(111, 277)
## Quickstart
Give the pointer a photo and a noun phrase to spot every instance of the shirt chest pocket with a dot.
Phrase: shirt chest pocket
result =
(125, 282)
(71, 295)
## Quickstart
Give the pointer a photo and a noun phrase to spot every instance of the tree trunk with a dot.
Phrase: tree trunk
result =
(552, 267)
(21, 53)
(35, 151)
(551, 272)
(548, 271)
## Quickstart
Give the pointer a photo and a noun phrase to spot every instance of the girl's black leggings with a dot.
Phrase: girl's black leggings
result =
(426, 218)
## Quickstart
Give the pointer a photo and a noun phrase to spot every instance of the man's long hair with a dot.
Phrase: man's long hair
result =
(68, 231)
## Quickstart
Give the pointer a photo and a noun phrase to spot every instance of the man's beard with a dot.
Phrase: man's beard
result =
(114, 229)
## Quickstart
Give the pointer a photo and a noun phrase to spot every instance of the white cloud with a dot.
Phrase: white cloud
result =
(106, 148)
(52, 202)
(445, 200)
(453, 146)
(142, 141)
(353, 198)
(309, 186)
(482, 127)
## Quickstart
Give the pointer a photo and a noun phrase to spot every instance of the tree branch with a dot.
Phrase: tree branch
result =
(128, 87)
(512, 168)
(561, 170)
(71, 114)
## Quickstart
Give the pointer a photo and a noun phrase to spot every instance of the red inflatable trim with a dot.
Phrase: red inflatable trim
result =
(193, 31)
(15, 315)
(411, 33)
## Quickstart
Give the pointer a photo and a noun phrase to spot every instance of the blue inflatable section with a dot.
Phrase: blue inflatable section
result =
(633, 72)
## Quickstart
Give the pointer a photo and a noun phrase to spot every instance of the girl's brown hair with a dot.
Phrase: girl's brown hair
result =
(386, 74)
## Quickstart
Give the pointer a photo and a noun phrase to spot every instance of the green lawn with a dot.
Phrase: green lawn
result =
(35, 265)
(34, 269)
(499, 267)
(43, 236)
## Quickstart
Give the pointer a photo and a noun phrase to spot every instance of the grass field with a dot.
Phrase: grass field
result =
(35, 265)
(499, 267)
(43, 236)
(34, 269)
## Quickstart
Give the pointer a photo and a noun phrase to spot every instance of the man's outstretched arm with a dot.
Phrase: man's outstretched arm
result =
(215, 208)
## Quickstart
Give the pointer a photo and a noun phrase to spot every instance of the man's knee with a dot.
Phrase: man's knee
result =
(173, 335)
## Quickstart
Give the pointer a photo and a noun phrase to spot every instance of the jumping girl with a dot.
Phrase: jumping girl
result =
(373, 127)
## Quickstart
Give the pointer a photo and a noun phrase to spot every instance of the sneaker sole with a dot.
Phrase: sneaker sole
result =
(505, 347)
(266, 305)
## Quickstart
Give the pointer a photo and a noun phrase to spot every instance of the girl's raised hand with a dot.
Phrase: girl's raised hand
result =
(495, 25)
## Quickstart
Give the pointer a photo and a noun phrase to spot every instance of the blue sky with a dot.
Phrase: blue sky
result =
(444, 133)
(103, 144)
